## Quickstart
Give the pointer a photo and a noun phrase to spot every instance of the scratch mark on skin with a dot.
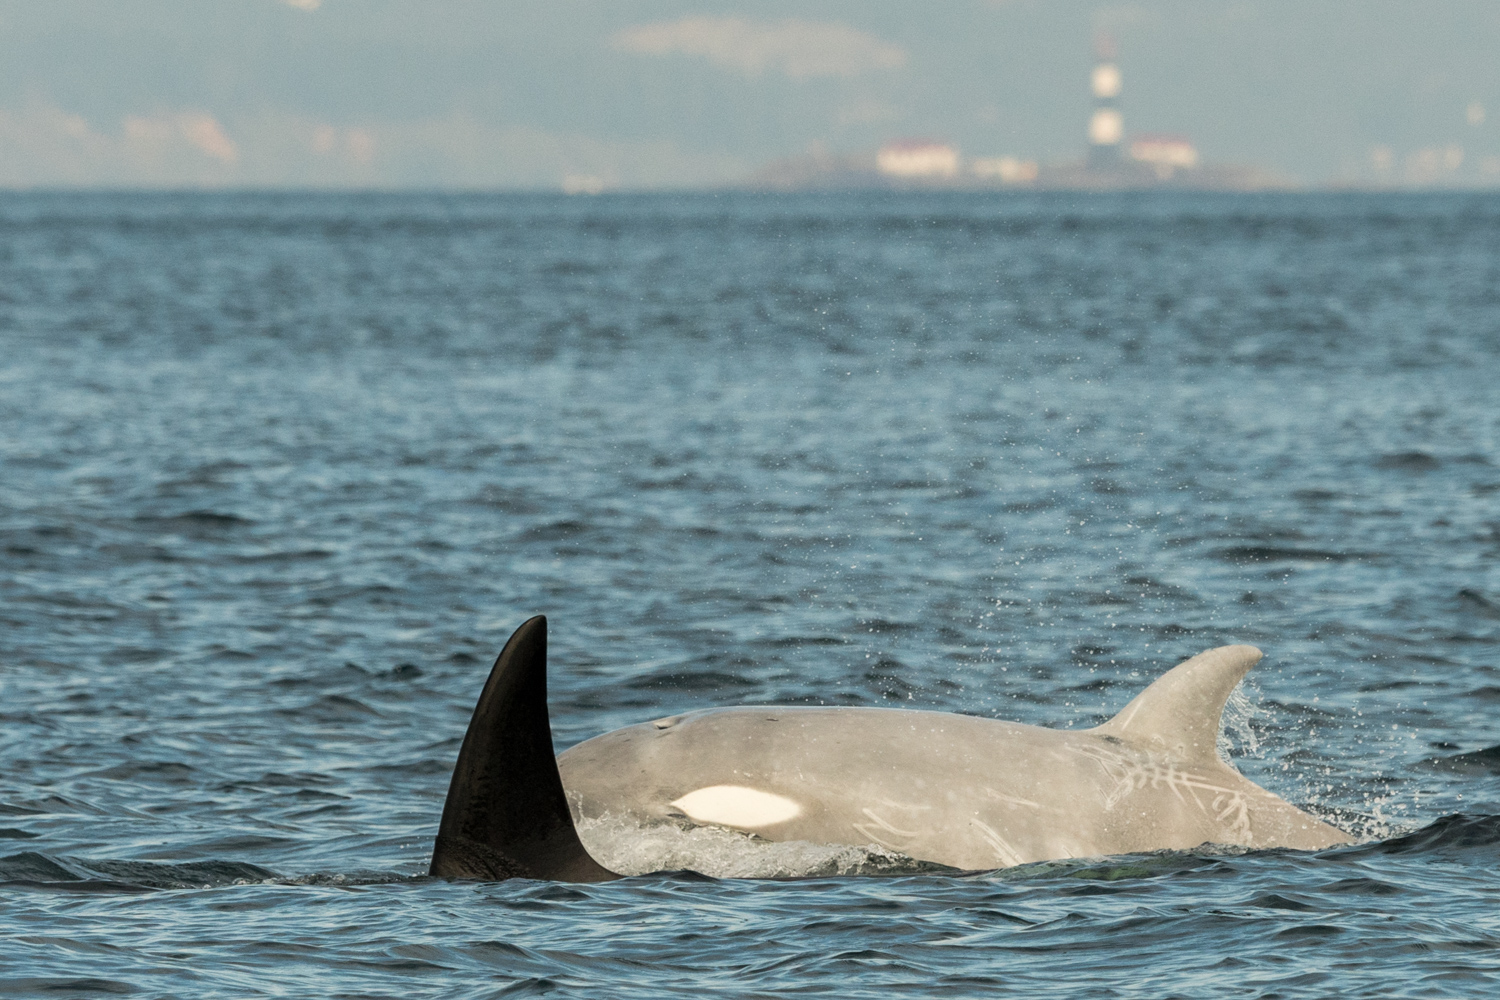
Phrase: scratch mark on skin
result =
(1007, 854)
(1125, 716)
(1131, 775)
(886, 826)
(905, 806)
(873, 835)
(1011, 799)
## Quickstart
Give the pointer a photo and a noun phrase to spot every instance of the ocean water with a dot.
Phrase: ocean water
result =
(280, 473)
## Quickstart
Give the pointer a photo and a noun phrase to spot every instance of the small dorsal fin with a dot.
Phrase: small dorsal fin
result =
(1180, 712)
(506, 814)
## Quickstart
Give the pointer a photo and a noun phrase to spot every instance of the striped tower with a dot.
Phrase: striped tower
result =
(1106, 127)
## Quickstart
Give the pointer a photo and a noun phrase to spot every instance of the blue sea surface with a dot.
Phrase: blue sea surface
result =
(279, 473)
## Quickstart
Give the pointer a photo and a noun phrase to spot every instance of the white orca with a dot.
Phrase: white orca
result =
(958, 790)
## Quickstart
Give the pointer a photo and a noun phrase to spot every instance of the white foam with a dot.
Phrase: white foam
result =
(1238, 725)
(625, 846)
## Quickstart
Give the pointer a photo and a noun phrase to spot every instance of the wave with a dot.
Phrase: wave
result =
(672, 851)
(629, 848)
(1473, 762)
(1456, 833)
(32, 869)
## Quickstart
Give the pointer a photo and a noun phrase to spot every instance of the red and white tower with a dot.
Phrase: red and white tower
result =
(1106, 126)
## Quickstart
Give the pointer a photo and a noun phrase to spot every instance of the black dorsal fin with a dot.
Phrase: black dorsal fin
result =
(506, 814)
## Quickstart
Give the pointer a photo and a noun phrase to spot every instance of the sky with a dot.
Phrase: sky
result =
(651, 94)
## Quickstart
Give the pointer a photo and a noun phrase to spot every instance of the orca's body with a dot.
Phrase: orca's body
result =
(958, 790)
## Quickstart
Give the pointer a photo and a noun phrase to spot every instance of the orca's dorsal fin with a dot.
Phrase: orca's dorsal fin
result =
(506, 814)
(1179, 713)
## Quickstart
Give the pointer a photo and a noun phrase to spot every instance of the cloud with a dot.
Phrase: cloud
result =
(795, 48)
(204, 133)
(157, 136)
(868, 113)
(45, 145)
(356, 143)
(459, 151)
(1118, 17)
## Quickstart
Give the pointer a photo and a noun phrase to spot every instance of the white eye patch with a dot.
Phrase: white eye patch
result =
(737, 806)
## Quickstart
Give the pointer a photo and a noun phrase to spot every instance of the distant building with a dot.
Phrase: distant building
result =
(1106, 124)
(917, 159)
(1114, 162)
(1165, 154)
(583, 184)
(1005, 169)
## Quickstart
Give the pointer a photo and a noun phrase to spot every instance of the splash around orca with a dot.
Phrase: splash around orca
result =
(958, 790)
